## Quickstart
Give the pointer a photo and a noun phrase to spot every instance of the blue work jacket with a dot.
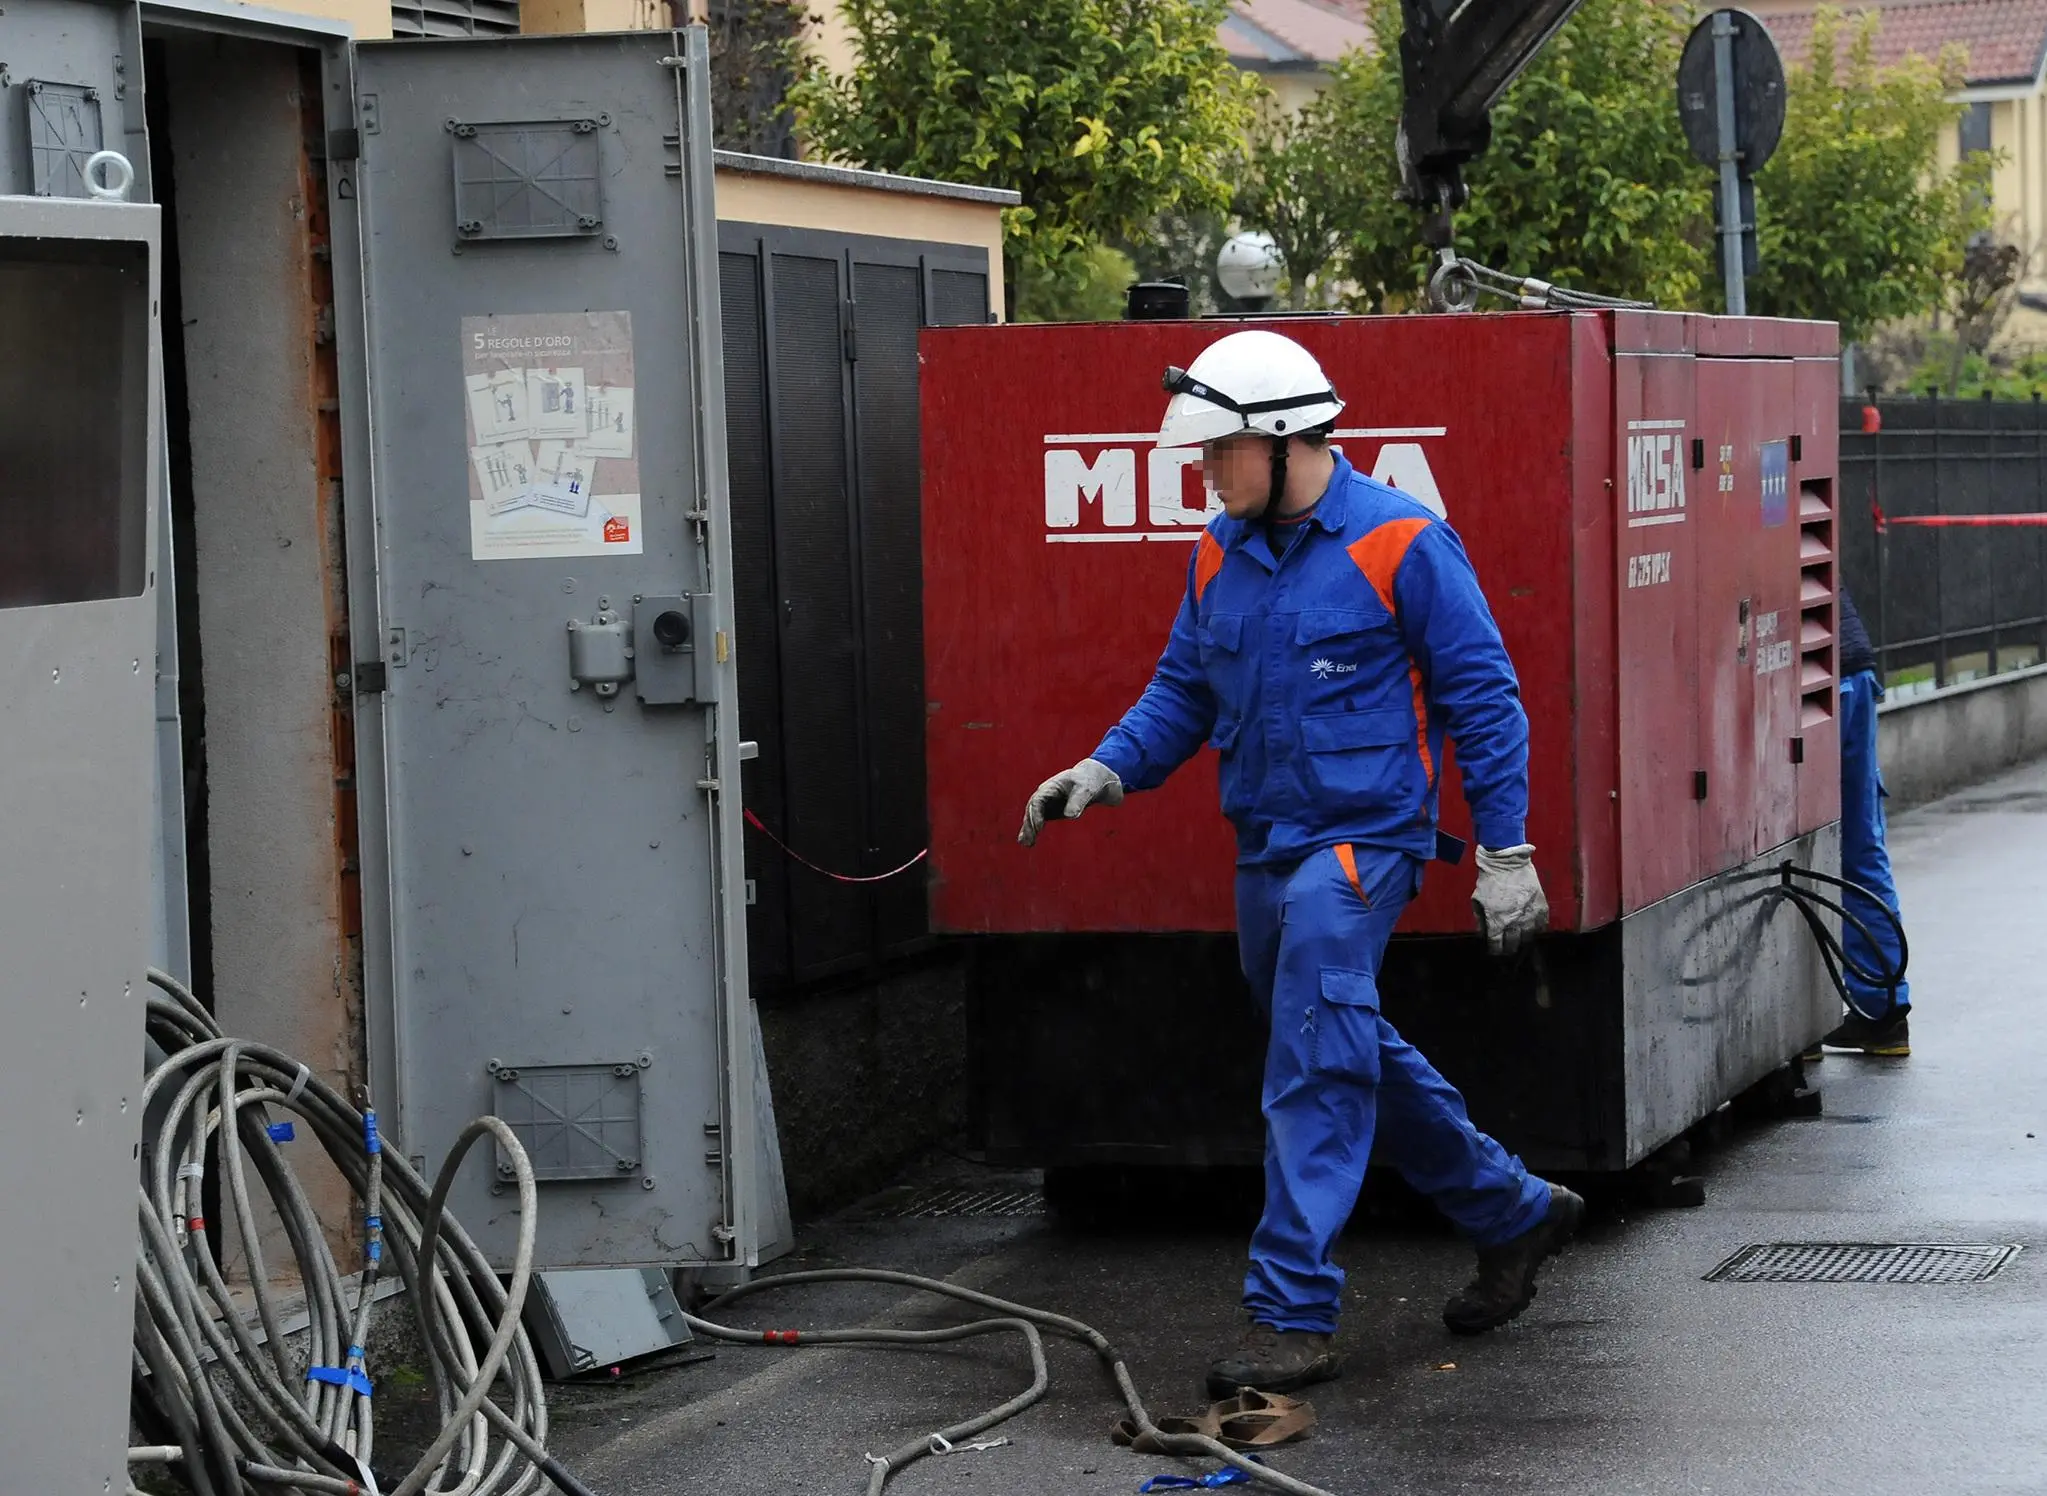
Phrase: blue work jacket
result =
(1328, 677)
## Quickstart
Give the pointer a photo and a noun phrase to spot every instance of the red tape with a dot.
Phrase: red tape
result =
(755, 822)
(1970, 521)
(196, 1223)
(780, 1337)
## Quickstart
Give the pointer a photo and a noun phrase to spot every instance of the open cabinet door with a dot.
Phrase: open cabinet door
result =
(78, 606)
(546, 689)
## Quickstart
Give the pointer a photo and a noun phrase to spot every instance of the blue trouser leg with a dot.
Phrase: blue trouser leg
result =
(1335, 1072)
(1864, 858)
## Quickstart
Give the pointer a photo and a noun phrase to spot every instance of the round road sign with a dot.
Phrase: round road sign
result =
(1758, 93)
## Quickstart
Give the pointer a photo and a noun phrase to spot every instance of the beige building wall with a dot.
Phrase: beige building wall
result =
(744, 197)
(370, 18)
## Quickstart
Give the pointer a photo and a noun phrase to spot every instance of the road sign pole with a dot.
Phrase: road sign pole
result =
(1731, 225)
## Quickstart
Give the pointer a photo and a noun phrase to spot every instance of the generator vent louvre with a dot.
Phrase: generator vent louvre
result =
(1865, 1262)
(455, 18)
(1816, 631)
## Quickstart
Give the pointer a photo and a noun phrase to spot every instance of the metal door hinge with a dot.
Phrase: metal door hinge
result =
(1698, 784)
(369, 677)
(847, 331)
(344, 145)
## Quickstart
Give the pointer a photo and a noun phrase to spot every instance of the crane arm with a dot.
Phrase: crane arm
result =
(1456, 59)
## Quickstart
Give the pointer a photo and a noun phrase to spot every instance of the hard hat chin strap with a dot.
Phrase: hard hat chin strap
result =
(1278, 492)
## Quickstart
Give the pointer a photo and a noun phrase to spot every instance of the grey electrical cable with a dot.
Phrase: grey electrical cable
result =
(1015, 1318)
(235, 1414)
(287, 1428)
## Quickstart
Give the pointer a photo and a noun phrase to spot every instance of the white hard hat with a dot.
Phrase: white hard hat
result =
(1249, 266)
(1248, 381)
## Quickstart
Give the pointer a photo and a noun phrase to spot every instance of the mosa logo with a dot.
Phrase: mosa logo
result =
(1092, 481)
(1656, 473)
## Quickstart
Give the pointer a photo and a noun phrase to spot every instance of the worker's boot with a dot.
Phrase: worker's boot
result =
(1274, 1360)
(1506, 1273)
(1890, 1038)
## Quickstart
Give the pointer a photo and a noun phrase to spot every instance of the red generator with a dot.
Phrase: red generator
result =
(1649, 501)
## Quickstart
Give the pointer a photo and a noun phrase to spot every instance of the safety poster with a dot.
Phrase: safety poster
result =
(552, 466)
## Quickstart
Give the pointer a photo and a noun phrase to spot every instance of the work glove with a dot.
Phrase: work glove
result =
(1070, 793)
(1510, 904)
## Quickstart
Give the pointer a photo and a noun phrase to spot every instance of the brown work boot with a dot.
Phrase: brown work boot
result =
(1274, 1360)
(1505, 1284)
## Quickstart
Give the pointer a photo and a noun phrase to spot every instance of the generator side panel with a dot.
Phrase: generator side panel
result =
(1595, 757)
(1748, 539)
(1656, 586)
(1057, 544)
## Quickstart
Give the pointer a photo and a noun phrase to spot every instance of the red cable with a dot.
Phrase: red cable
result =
(755, 822)
(1972, 520)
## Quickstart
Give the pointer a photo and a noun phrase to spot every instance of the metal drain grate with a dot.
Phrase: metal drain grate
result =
(1863, 1262)
(939, 1200)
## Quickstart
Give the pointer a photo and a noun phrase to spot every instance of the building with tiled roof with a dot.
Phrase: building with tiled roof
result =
(2005, 92)
(1291, 43)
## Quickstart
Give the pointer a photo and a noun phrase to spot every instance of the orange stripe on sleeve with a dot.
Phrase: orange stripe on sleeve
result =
(1421, 719)
(1380, 553)
(1208, 560)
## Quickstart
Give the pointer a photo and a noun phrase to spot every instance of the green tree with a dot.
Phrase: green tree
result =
(1088, 285)
(1292, 184)
(1102, 114)
(1587, 182)
(1856, 222)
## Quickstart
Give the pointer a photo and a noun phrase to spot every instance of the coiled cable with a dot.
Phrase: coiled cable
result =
(235, 1414)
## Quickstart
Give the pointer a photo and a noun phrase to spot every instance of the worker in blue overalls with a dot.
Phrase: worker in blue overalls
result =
(1875, 1023)
(1331, 637)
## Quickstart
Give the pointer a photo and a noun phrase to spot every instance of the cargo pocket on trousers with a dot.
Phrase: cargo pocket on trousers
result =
(1346, 1043)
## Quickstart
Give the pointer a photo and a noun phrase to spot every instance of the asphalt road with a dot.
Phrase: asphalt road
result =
(1629, 1374)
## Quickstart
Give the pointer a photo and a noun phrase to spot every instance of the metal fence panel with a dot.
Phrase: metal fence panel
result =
(1950, 603)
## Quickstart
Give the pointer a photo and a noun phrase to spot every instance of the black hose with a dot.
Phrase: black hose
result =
(1811, 904)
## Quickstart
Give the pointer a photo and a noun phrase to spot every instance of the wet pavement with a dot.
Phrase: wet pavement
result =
(1629, 1374)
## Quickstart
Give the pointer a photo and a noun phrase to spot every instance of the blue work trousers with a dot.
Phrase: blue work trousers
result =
(1864, 858)
(1338, 1078)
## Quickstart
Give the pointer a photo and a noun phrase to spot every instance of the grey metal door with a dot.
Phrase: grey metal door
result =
(556, 932)
(78, 574)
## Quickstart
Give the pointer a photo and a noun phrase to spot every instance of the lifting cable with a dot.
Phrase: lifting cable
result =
(1457, 282)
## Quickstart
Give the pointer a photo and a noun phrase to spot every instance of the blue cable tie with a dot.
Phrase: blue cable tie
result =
(355, 1353)
(281, 1132)
(1229, 1475)
(375, 1223)
(369, 1132)
(376, 1251)
(336, 1376)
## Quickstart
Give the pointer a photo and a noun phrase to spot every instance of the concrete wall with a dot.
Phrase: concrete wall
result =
(268, 557)
(1932, 745)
